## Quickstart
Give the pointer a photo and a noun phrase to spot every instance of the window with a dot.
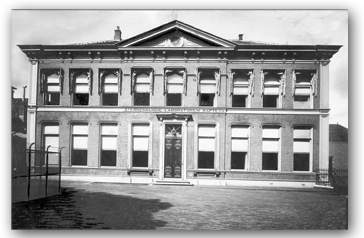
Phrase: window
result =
(109, 87)
(80, 86)
(140, 153)
(108, 145)
(79, 145)
(208, 82)
(239, 147)
(273, 85)
(51, 138)
(206, 146)
(303, 83)
(174, 86)
(302, 144)
(51, 82)
(242, 83)
(270, 148)
(142, 83)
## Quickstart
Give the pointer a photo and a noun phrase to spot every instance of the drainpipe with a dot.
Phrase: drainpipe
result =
(25, 106)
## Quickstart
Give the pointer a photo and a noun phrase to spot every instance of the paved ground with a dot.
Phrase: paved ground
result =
(125, 206)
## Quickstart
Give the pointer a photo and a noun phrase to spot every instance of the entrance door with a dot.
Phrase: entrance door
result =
(173, 151)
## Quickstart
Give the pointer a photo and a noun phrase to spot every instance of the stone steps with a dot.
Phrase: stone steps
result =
(172, 183)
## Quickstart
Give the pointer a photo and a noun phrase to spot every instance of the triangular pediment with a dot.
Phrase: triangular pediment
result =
(176, 34)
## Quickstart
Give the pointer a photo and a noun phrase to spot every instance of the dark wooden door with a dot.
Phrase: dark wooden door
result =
(173, 157)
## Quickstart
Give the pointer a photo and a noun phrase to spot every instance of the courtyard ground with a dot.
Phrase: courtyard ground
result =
(127, 206)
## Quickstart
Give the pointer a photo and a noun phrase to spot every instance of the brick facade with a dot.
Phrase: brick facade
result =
(126, 57)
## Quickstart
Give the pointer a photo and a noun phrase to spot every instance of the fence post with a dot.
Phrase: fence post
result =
(59, 170)
(29, 164)
(46, 180)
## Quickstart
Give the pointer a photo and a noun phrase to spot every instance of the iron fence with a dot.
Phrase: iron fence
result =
(335, 178)
(43, 175)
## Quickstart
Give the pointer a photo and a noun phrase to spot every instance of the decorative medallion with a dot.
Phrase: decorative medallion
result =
(178, 144)
(168, 144)
(176, 41)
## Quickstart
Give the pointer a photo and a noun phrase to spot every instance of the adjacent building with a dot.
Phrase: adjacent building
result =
(177, 103)
(339, 147)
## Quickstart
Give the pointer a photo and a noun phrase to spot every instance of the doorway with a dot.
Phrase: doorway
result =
(173, 151)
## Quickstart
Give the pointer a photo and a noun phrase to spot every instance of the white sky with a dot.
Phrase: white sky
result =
(305, 27)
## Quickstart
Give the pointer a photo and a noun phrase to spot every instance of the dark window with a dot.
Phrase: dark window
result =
(109, 99)
(238, 160)
(79, 157)
(174, 99)
(239, 100)
(108, 158)
(207, 99)
(141, 99)
(270, 161)
(301, 102)
(140, 159)
(206, 160)
(301, 162)
(52, 98)
(80, 99)
(270, 101)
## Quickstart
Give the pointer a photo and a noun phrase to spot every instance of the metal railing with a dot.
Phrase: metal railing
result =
(42, 163)
(335, 178)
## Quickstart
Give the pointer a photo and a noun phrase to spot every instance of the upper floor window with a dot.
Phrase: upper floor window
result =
(239, 147)
(273, 84)
(80, 86)
(206, 146)
(242, 85)
(51, 85)
(302, 148)
(109, 86)
(304, 83)
(208, 86)
(142, 86)
(174, 86)
(271, 148)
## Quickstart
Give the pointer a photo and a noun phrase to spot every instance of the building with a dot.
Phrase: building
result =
(18, 133)
(338, 138)
(178, 103)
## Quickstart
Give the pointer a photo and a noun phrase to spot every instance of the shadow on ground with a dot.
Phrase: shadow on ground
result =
(81, 209)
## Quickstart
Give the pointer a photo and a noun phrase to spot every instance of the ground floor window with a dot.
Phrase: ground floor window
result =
(301, 162)
(206, 146)
(239, 147)
(302, 147)
(109, 144)
(51, 142)
(140, 150)
(270, 148)
(79, 145)
(270, 161)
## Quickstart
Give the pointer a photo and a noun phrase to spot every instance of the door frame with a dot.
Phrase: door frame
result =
(163, 124)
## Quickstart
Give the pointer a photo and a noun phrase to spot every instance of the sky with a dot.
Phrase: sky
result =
(294, 27)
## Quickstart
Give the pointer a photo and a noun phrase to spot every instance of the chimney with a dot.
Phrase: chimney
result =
(117, 35)
(24, 87)
(241, 36)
